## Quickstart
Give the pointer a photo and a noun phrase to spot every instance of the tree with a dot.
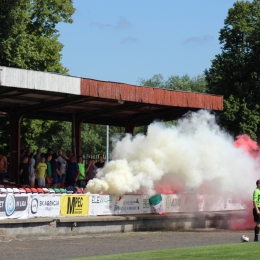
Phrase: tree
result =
(235, 73)
(184, 83)
(29, 40)
(28, 34)
(42, 134)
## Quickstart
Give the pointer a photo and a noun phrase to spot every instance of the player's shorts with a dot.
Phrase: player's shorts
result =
(256, 216)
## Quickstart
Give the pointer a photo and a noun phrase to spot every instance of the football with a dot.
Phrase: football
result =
(245, 238)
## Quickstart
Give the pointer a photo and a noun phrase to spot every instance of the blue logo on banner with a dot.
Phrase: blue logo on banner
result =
(9, 204)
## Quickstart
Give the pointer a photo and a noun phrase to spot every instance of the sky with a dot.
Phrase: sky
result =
(128, 40)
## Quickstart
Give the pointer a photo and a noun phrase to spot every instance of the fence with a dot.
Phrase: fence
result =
(95, 156)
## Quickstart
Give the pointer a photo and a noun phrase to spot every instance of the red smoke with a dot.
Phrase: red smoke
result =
(250, 147)
(168, 186)
(247, 222)
(163, 189)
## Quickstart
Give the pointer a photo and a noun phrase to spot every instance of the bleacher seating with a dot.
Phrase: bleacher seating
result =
(12, 187)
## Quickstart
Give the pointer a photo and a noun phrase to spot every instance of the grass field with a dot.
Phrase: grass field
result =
(236, 251)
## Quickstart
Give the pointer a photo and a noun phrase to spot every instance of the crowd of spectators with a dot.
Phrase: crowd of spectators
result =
(56, 170)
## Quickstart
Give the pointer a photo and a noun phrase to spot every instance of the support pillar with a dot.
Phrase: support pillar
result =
(76, 136)
(15, 125)
(129, 129)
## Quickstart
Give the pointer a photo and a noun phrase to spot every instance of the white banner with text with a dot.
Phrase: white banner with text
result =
(14, 206)
(44, 205)
(101, 204)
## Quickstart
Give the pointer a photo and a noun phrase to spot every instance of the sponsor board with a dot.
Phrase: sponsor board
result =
(74, 205)
(172, 202)
(192, 203)
(145, 207)
(200, 202)
(233, 204)
(13, 206)
(44, 205)
(128, 204)
(218, 203)
(215, 203)
(101, 204)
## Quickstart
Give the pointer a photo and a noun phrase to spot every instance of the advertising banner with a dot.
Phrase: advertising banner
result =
(215, 203)
(145, 207)
(200, 202)
(74, 205)
(192, 202)
(172, 202)
(44, 205)
(233, 204)
(218, 203)
(128, 204)
(14, 206)
(101, 204)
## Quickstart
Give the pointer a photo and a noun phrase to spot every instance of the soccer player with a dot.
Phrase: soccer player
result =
(256, 209)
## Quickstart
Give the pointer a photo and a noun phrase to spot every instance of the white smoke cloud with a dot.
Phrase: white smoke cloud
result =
(193, 152)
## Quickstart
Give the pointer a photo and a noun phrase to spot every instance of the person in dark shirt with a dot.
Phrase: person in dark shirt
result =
(24, 172)
(100, 163)
(73, 172)
(55, 171)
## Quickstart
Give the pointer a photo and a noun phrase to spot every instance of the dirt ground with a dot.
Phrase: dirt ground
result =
(79, 246)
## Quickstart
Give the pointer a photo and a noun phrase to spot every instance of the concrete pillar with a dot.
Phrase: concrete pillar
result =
(15, 125)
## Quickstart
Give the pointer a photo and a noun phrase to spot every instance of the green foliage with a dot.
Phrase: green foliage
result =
(44, 134)
(184, 83)
(235, 73)
(238, 107)
(28, 38)
(156, 81)
(140, 130)
(94, 138)
(55, 134)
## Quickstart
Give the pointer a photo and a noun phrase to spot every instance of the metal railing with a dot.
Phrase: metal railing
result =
(94, 156)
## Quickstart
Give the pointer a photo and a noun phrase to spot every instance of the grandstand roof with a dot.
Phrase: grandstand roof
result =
(45, 95)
